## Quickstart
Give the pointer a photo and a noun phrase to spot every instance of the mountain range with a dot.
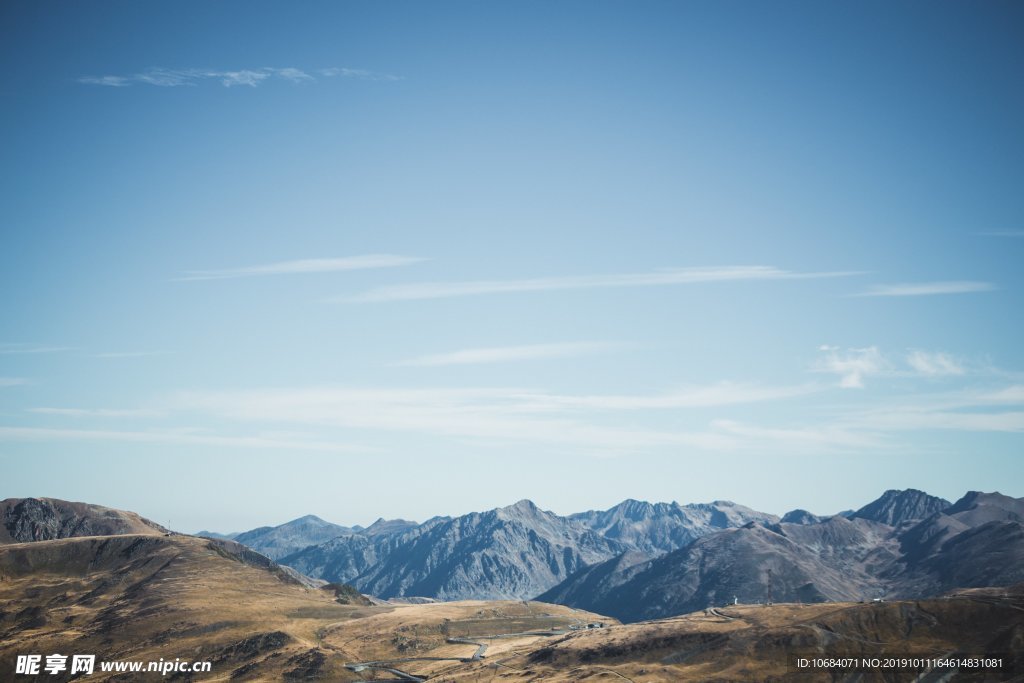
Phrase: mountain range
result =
(514, 552)
(76, 577)
(640, 560)
(883, 550)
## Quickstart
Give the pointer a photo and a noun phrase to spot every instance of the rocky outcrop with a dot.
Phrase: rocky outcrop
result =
(897, 507)
(978, 541)
(45, 519)
(511, 552)
(657, 528)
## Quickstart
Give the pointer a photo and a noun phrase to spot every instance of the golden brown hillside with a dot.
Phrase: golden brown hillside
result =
(142, 597)
(145, 597)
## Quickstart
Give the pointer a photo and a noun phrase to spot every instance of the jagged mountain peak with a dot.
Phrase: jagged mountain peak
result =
(800, 516)
(384, 527)
(515, 551)
(524, 508)
(973, 499)
(896, 506)
(308, 519)
(525, 505)
(277, 541)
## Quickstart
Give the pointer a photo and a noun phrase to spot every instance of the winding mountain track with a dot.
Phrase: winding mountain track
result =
(403, 677)
(478, 654)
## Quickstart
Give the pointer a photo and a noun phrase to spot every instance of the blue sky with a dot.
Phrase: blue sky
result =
(404, 259)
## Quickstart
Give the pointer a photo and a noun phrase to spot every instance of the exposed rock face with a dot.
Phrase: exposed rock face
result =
(808, 563)
(800, 517)
(643, 560)
(897, 507)
(661, 527)
(511, 552)
(277, 541)
(45, 519)
(979, 541)
(386, 527)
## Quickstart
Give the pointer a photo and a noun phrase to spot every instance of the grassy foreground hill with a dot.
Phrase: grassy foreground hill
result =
(152, 597)
(155, 595)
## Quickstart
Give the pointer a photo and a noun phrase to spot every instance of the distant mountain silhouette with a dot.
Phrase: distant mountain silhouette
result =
(896, 507)
(277, 541)
(511, 552)
(978, 541)
(661, 527)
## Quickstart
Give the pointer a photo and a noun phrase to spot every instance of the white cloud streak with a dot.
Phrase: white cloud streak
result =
(17, 349)
(677, 276)
(506, 354)
(487, 414)
(359, 74)
(1013, 394)
(934, 363)
(128, 354)
(929, 288)
(710, 396)
(911, 419)
(13, 381)
(172, 438)
(852, 365)
(172, 78)
(813, 439)
(303, 266)
(491, 415)
(98, 412)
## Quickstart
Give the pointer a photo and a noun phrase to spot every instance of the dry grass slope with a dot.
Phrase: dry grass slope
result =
(146, 597)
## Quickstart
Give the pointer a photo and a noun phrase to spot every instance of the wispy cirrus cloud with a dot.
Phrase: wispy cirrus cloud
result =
(703, 396)
(676, 276)
(1011, 394)
(507, 354)
(598, 424)
(929, 288)
(180, 437)
(934, 363)
(801, 438)
(301, 266)
(13, 381)
(966, 409)
(172, 78)
(128, 354)
(18, 349)
(360, 74)
(852, 365)
(912, 419)
(98, 412)
(491, 415)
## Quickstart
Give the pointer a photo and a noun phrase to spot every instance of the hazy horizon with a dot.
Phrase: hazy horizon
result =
(562, 513)
(402, 260)
(273, 518)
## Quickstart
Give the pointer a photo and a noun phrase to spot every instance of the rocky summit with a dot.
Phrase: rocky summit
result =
(976, 542)
(44, 519)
